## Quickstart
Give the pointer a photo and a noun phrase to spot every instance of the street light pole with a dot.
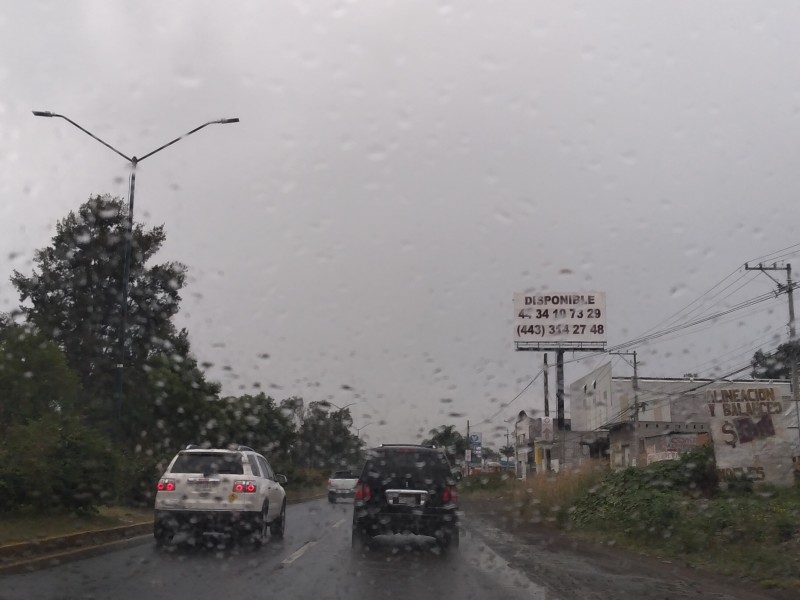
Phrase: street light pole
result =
(358, 429)
(133, 161)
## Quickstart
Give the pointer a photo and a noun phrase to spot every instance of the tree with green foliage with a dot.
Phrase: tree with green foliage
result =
(35, 379)
(255, 421)
(176, 404)
(777, 364)
(324, 439)
(74, 293)
(55, 462)
(449, 438)
(508, 451)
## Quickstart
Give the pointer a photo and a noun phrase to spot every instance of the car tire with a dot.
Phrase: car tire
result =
(278, 526)
(448, 538)
(454, 537)
(331, 498)
(162, 534)
(259, 528)
(360, 541)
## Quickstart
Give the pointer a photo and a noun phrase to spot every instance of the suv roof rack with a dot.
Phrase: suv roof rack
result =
(244, 448)
(191, 447)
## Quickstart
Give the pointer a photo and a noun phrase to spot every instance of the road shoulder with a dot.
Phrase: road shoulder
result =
(571, 565)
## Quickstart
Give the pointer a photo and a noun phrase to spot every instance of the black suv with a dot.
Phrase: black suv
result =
(406, 489)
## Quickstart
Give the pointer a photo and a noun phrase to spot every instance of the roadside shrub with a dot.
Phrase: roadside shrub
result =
(646, 501)
(56, 463)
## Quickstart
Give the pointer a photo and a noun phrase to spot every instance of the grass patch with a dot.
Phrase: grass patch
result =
(26, 527)
(674, 509)
(540, 498)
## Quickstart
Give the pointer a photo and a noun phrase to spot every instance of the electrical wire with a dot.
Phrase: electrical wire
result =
(507, 404)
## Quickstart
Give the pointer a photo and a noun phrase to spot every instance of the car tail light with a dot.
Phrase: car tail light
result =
(330, 483)
(450, 495)
(166, 485)
(363, 492)
(244, 487)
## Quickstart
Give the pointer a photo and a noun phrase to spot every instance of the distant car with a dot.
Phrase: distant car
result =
(407, 489)
(341, 484)
(226, 491)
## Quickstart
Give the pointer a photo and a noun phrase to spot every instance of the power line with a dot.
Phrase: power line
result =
(507, 404)
(769, 257)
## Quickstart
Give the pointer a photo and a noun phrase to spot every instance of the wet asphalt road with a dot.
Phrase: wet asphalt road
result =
(313, 561)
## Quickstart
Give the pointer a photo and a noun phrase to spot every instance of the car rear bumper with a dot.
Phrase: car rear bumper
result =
(218, 521)
(434, 523)
(341, 493)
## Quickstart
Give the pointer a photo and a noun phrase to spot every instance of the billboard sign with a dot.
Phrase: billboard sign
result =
(560, 319)
(750, 429)
(476, 445)
(547, 429)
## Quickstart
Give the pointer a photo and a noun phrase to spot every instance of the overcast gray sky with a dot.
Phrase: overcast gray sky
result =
(402, 168)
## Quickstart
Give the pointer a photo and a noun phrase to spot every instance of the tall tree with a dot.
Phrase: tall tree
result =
(176, 404)
(777, 364)
(324, 439)
(255, 421)
(74, 297)
(35, 380)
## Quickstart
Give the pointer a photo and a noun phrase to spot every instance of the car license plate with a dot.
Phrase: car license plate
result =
(202, 487)
(407, 500)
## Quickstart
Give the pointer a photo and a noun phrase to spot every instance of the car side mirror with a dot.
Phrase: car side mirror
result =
(281, 479)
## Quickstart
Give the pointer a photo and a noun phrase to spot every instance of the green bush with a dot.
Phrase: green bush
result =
(57, 463)
(646, 501)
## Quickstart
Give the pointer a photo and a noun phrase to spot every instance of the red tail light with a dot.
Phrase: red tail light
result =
(244, 487)
(166, 485)
(363, 492)
(330, 483)
(450, 495)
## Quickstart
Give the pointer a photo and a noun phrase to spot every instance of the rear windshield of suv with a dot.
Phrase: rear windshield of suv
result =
(343, 475)
(212, 463)
(392, 467)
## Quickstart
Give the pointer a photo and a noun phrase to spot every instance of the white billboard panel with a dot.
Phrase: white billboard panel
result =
(753, 430)
(553, 318)
(476, 445)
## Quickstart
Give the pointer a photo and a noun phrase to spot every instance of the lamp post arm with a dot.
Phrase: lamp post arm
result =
(187, 134)
(90, 134)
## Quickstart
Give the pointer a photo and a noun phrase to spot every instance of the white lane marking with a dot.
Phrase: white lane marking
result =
(335, 525)
(302, 550)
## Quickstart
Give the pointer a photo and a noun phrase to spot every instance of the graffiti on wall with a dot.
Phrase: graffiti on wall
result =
(750, 432)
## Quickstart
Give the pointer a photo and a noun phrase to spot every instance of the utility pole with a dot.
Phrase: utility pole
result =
(788, 288)
(468, 453)
(636, 406)
(546, 387)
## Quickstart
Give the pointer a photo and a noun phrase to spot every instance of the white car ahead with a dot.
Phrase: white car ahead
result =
(232, 492)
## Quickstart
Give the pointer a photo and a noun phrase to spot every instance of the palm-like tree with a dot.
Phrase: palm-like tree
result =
(507, 451)
(449, 438)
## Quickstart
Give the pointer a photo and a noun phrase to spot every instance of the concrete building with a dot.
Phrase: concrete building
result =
(656, 441)
(541, 448)
(667, 407)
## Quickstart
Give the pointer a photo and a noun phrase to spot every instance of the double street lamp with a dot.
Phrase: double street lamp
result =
(133, 161)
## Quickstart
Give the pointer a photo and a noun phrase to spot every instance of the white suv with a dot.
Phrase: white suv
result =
(232, 492)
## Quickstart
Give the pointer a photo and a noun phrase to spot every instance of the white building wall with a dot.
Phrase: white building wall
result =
(591, 402)
(598, 399)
